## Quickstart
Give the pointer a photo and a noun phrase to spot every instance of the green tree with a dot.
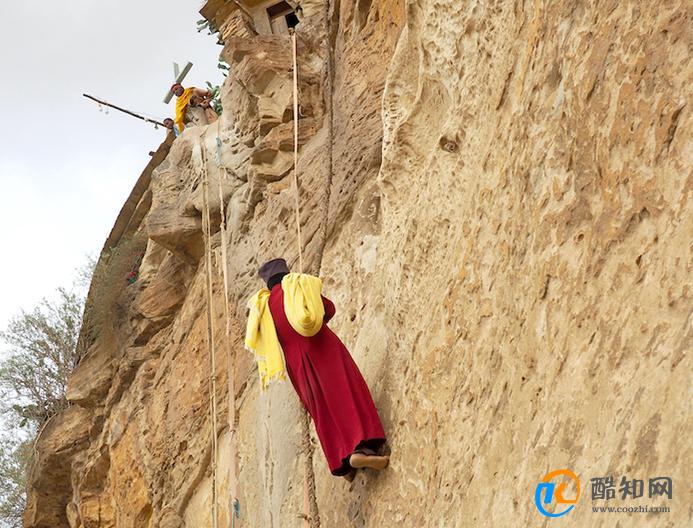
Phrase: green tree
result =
(14, 456)
(42, 353)
(42, 349)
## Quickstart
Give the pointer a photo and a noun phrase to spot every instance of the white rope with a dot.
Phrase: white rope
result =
(296, 188)
(307, 521)
(206, 223)
(233, 482)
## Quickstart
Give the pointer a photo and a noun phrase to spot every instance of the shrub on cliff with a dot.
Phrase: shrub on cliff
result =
(109, 297)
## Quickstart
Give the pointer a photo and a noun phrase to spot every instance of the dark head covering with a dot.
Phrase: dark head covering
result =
(272, 268)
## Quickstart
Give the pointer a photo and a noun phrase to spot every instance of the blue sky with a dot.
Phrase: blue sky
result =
(66, 168)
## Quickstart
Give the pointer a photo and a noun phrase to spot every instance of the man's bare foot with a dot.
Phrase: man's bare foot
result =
(359, 460)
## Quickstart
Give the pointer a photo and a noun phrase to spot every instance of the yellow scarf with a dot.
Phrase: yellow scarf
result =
(181, 106)
(305, 312)
(261, 339)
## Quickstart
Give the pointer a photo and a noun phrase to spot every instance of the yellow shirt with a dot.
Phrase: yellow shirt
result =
(182, 103)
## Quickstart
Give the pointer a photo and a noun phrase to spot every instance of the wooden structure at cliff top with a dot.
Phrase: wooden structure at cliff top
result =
(268, 16)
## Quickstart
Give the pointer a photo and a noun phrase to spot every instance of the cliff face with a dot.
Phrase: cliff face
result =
(497, 197)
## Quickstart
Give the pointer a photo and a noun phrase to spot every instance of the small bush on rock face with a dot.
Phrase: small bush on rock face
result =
(109, 296)
(215, 103)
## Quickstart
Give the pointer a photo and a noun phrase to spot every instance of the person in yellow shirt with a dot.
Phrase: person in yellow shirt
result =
(192, 97)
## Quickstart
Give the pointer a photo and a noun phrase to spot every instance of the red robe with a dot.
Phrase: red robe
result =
(330, 386)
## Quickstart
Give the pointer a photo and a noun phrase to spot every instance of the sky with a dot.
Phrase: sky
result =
(66, 168)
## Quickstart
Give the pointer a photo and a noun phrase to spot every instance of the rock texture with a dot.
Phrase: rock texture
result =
(497, 195)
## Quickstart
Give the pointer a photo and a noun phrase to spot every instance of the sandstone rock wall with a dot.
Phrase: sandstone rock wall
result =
(497, 195)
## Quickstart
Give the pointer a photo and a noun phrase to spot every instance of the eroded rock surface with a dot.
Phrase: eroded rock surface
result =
(497, 195)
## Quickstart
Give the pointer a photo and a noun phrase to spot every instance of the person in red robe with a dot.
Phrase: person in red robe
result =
(330, 386)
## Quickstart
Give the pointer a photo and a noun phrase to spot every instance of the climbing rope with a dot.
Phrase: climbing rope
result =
(297, 203)
(211, 345)
(234, 503)
(309, 482)
(297, 195)
(206, 221)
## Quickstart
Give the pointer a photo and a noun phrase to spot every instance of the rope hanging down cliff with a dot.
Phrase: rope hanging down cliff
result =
(234, 502)
(206, 228)
(308, 478)
(296, 188)
(309, 519)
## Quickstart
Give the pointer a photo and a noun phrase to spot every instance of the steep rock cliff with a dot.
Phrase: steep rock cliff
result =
(497, 195)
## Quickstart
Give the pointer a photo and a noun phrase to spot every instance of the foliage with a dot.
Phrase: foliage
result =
(43, 352)
(14, 458)
(224, 67)
(44, 346)
(203, 24)
(215, 102)
(108, 296)
(84, 274)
